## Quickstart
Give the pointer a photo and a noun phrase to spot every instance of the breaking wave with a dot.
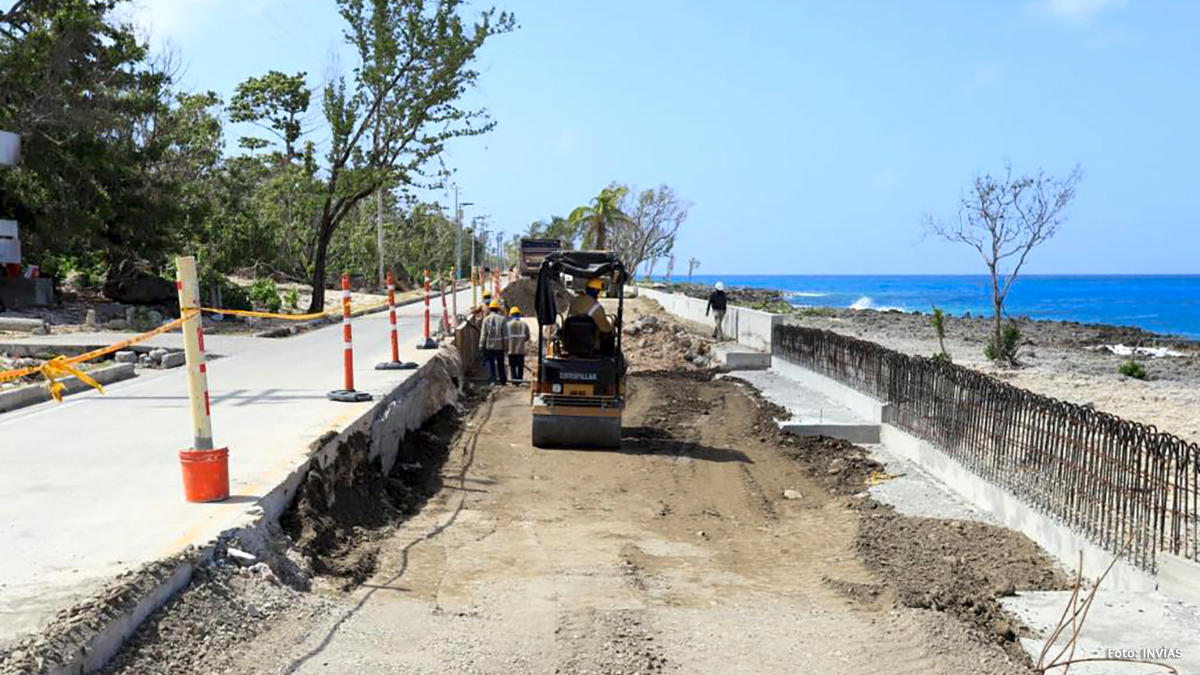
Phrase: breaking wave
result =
(865, 302)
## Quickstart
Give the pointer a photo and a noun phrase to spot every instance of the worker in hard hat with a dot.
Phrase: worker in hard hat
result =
(480, 311)
(717, 302)
(516, 337)
(588, 304)
(491, 343)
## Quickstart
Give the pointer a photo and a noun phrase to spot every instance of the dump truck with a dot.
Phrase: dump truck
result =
(579, 389)
(533, 252)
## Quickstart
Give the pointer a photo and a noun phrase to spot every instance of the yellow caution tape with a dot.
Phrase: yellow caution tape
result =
(269, 315)
(60, 367)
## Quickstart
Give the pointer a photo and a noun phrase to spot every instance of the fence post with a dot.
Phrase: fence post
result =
(347, 395)
(205, 469)
(428, 342)
(395, 363)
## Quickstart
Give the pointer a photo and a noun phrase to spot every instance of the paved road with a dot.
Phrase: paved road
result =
(91, 487)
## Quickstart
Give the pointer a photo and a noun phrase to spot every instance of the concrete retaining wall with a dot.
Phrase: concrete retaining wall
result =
(860, 404)
(1056, 538)
(749, 327)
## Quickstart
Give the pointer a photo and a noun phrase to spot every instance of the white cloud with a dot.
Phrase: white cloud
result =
(1079, 11)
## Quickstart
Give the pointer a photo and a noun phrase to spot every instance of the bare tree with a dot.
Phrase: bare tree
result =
(670, 266)
(654, 218)
(692, 265)
(1004, 218)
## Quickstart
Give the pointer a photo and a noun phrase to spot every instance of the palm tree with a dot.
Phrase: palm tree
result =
(602, 215)
(692, 265)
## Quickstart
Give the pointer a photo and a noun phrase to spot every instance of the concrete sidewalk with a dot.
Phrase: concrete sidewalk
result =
(91, 487)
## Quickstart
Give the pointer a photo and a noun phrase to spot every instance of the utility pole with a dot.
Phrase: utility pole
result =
(379, 235)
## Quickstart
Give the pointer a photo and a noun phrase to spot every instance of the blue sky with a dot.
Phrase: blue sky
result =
(810, 136)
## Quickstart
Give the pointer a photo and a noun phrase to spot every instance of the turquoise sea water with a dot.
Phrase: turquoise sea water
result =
(1164, 304)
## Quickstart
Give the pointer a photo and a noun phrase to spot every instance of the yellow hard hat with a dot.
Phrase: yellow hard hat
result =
(596, 283)
(487, 294)
(495, 304)
(514, 311)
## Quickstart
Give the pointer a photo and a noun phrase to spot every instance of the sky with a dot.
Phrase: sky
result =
(811, 137)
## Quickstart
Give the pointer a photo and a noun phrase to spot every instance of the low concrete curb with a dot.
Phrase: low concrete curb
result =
(33, 394)
(22, 325)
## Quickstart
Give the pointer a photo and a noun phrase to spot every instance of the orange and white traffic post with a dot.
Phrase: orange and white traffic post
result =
(454, 297)
(428, 342)
(348, 394)
(395, 363)
(445, 312)
(205, 468)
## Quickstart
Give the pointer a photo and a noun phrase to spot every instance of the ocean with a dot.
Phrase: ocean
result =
(1164, 304)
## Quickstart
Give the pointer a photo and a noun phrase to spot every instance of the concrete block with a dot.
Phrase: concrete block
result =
(855, 433)
(1179, 578)
(156, 355)
(737, 357)
(22, 325)
(125, 357)
(173, 359)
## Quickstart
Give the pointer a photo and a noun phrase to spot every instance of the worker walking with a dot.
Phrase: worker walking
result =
(717, 303)
(491, 342)
(517, 332)
(588, 304)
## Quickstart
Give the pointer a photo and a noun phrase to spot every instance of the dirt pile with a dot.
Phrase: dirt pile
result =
(521, 294)
(653, 343)
(958, 567)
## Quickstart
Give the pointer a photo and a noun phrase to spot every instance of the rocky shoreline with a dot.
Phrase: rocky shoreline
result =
(1066, 360)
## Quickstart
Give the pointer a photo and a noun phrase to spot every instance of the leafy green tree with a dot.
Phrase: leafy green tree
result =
(556, 227)
(403, 105)
(275, 102)
(100, 133)
(601, 216)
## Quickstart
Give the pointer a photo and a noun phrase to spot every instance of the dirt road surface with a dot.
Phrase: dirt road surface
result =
(677, 553)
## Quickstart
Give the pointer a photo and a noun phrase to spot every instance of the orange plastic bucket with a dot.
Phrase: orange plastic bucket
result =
(205, 474)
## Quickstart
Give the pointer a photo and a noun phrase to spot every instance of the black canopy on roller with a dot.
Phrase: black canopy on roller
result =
(586, 264)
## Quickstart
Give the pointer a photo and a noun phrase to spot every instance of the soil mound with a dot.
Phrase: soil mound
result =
(656, 344)
(958, 567)
(521, 294)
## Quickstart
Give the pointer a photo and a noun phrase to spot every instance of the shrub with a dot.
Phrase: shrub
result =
(265, 295)
(1010, 341)
(292, 298)
(942, 357)
(1132, 368)
(938, 321)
